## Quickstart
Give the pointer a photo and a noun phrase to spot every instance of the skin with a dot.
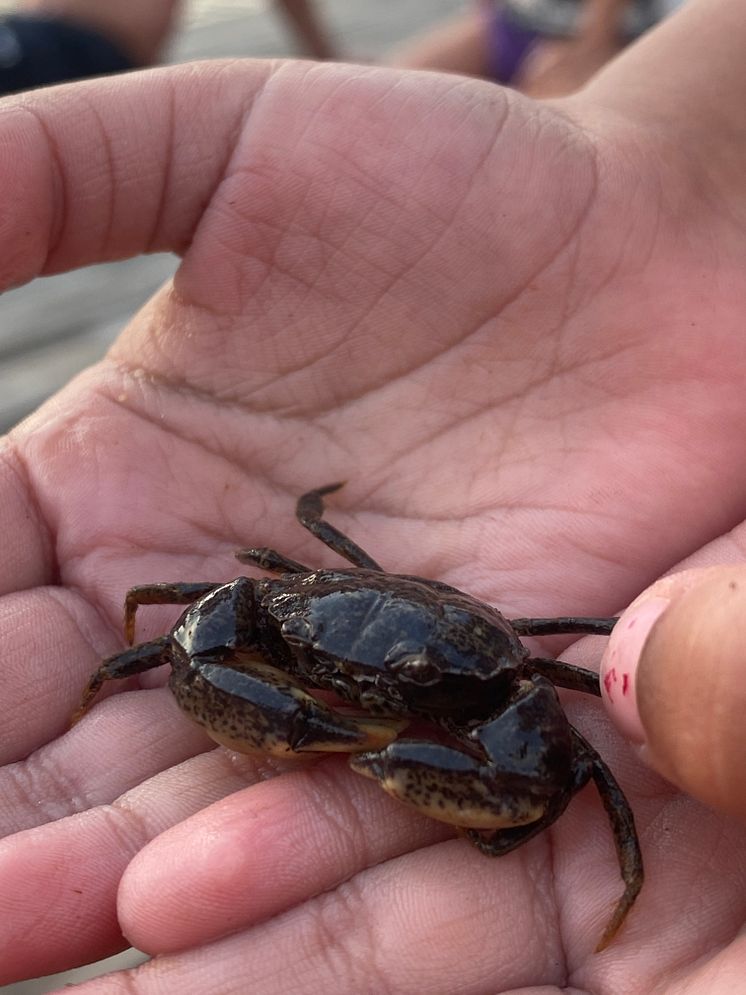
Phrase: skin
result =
(556, 68)
(518, 331)
(140, 27)
(683, 639)
(303, 17)
(553, 67)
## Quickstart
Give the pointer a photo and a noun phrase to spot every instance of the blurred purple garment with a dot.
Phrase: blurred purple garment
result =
(508, 45)
(561, 18)
(514, 27)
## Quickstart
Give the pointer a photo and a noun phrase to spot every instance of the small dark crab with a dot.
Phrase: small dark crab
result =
(503, 762)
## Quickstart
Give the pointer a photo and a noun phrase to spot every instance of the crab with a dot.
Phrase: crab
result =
(499, 759)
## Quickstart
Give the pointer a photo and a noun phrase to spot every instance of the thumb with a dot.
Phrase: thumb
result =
(674, 680)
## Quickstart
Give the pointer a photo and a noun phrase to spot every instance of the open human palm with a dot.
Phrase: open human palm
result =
(443, 294)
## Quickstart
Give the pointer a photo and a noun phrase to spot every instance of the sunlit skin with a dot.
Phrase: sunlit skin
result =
(523, 324)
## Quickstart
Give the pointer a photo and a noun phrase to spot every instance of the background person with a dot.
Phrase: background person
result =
(542, 47)
(56, 41)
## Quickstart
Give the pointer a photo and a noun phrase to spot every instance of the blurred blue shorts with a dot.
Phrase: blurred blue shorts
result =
(39, 51)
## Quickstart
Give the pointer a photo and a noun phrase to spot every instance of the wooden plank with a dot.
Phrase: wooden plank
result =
(55, 326)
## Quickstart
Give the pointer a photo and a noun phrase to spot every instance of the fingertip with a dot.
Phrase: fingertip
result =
(618, 674)
(685, 662)
(75, 193)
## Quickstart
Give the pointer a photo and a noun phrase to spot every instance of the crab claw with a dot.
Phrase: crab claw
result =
(250, 706)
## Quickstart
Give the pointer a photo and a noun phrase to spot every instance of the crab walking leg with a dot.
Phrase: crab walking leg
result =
(309, 511)
(625, 837)
(252, 707)
(524, 772)
(160, 594)
(563, 626)
(271, 561)
(136, 660)
(565, 675)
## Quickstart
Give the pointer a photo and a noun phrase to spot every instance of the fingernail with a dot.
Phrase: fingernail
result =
(619, 665)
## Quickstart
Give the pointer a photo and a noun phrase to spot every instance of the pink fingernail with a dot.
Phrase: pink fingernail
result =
(619, 665)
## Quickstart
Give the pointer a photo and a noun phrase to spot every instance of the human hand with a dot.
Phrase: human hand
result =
(673, 677)
(680, 648)
(391, 307)
(141, 28)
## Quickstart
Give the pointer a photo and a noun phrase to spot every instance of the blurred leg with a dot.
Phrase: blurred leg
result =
(305, 23)
(139, 27)
(456, 46)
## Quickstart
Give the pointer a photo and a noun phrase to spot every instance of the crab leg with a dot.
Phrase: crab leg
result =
(625, 836)
(160, 594)
(565, 675)
(271, 561)
(309, 511)
(562, 626)
(136, 660)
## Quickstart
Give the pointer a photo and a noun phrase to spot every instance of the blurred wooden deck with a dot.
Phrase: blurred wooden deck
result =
(54, 327)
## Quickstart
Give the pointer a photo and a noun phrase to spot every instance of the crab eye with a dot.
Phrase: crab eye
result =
(417, 669)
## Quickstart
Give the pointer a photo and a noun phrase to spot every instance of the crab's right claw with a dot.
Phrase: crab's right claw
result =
(250, 706)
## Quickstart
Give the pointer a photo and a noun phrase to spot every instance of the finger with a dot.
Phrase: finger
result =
(52, 641)
(102, 171)
(27, 558)
(123, 742)
(689, 99)
(441, 920)
(259, 852)
(674, 678)
(58, 882)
